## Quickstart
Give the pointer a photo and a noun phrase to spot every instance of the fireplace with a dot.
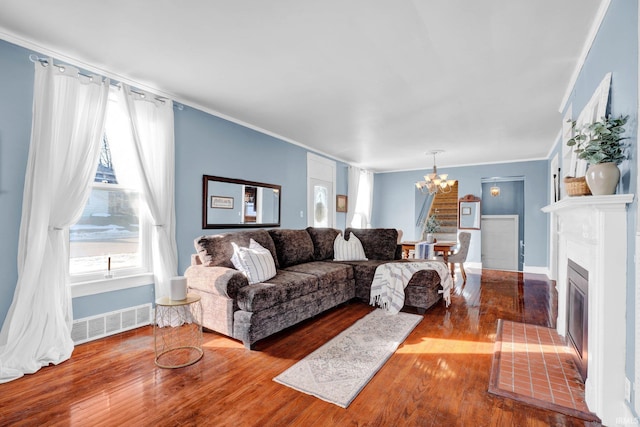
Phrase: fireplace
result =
(591, 231)
(578, 314)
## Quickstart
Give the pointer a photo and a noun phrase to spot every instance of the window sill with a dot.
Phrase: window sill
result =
(93, 287)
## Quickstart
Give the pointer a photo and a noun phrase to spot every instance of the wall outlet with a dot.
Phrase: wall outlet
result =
(627, 390)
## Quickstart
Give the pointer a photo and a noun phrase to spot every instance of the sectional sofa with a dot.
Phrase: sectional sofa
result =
(307, 280)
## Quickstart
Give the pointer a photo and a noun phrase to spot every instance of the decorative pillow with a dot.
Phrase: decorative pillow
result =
(255, 262)
(323, 239)
(293, 247)
(216, 250)
(348, 250)
(378, 243)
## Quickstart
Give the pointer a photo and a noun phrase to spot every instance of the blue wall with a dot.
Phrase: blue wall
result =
(205, 145)
(395, 202)
(16, 94)
(209, 145)
(615, 50)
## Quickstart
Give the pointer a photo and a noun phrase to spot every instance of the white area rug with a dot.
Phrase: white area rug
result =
(337, 371)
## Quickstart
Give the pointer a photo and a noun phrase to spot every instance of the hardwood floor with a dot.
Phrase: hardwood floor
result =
(438, 377)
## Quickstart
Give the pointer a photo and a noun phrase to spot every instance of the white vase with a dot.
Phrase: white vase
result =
(429, 238)
(602, 178)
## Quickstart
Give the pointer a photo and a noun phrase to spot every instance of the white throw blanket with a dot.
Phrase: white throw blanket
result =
(390, 279)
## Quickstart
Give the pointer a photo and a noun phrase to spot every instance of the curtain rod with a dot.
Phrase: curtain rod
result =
(45, 61)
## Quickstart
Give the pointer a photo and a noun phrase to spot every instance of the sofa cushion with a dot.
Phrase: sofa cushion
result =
(328, 273)
(348, 250)
(292, 246)
(255, 262)
(216, 250)
(378, 243)
(323, 239)
(285, 286)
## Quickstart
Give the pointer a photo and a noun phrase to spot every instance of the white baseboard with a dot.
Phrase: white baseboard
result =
(537, 270)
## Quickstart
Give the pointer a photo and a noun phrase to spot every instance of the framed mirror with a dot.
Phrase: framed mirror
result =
(469, 213)
(236, 203)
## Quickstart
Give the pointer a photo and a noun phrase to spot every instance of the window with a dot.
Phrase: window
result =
(109, 238)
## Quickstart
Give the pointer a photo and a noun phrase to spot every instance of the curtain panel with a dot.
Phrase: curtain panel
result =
(361, 192)
(68, 120)
(153, 156)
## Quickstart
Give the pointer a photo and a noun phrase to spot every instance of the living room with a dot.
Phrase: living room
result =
(208, 144)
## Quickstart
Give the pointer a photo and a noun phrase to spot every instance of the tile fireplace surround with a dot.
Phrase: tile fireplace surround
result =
(592, 231)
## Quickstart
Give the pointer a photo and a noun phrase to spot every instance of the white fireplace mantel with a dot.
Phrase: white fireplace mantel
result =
(592, 231)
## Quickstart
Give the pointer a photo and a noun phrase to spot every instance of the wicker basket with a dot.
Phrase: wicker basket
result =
(576, 186)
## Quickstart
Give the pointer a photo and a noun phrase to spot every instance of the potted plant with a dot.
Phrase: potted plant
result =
(599, 143)
(431, 225)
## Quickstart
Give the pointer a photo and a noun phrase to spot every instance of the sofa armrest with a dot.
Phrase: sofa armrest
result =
(222, 281)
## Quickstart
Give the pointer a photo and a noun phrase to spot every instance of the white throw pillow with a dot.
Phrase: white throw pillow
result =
(348, 250)
(255, 262)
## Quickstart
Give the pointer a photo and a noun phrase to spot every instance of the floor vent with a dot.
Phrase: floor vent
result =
(102, 325)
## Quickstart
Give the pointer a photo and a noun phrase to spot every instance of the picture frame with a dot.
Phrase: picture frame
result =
(341, 203)
(221, 202)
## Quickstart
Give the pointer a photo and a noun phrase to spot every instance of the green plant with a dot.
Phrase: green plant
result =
(431, 225)
(599, 142)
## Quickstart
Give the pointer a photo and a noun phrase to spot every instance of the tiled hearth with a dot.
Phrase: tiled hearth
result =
(535, 366)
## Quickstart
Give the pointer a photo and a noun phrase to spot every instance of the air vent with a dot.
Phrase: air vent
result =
(92, 328)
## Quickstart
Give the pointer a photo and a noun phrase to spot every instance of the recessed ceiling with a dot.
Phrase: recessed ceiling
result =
(373, 83)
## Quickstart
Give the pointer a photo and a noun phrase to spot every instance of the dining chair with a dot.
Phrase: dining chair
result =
(460, 256)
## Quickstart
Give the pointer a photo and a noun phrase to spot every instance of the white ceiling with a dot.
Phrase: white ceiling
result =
(376, 83)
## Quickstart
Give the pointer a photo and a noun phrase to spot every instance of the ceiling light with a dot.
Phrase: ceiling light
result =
(435, 182)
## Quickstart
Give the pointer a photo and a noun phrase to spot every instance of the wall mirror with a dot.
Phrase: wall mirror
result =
(236, 203)
(469, 213)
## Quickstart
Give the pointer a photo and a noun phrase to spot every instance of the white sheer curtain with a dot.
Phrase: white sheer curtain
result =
(352, 192)
(145, 134)
(360, 183)
(68, 119)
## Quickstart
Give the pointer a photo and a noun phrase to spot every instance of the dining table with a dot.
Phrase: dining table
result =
(444, 247)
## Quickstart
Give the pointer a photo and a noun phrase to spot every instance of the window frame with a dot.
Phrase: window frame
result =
(95, 282)
(144, 242)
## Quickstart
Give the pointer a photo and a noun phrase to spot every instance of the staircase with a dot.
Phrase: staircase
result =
(445, 206)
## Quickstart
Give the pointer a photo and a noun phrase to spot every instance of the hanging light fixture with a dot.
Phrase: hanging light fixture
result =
(495, 190)
(435, 182)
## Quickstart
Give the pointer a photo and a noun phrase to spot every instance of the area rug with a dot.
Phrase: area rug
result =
(339, 370)
(532, 364)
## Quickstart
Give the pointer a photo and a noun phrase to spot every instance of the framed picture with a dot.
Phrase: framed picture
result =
(221, 202)
(341, 203)
(466, 211)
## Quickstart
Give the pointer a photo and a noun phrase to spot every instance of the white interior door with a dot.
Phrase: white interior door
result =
(321, 190)
(322, 203)
(500, 242)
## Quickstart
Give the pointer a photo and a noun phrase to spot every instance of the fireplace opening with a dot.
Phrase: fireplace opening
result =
(578, 314)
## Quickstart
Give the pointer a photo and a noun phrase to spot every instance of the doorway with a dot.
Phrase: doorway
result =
(321, 190)
(503, 244)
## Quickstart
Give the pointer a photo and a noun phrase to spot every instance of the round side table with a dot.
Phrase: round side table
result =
(177, 331)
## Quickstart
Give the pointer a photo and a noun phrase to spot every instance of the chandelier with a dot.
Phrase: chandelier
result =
(435, 182)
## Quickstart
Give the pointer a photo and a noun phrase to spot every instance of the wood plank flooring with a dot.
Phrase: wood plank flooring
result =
(438, 377)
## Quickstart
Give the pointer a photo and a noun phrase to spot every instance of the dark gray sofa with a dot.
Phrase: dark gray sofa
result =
(307, 282)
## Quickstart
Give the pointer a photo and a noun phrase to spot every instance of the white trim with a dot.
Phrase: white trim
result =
(95, 287)
(512, 161)
(636, 260)
(593, 32)
(536, 270)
